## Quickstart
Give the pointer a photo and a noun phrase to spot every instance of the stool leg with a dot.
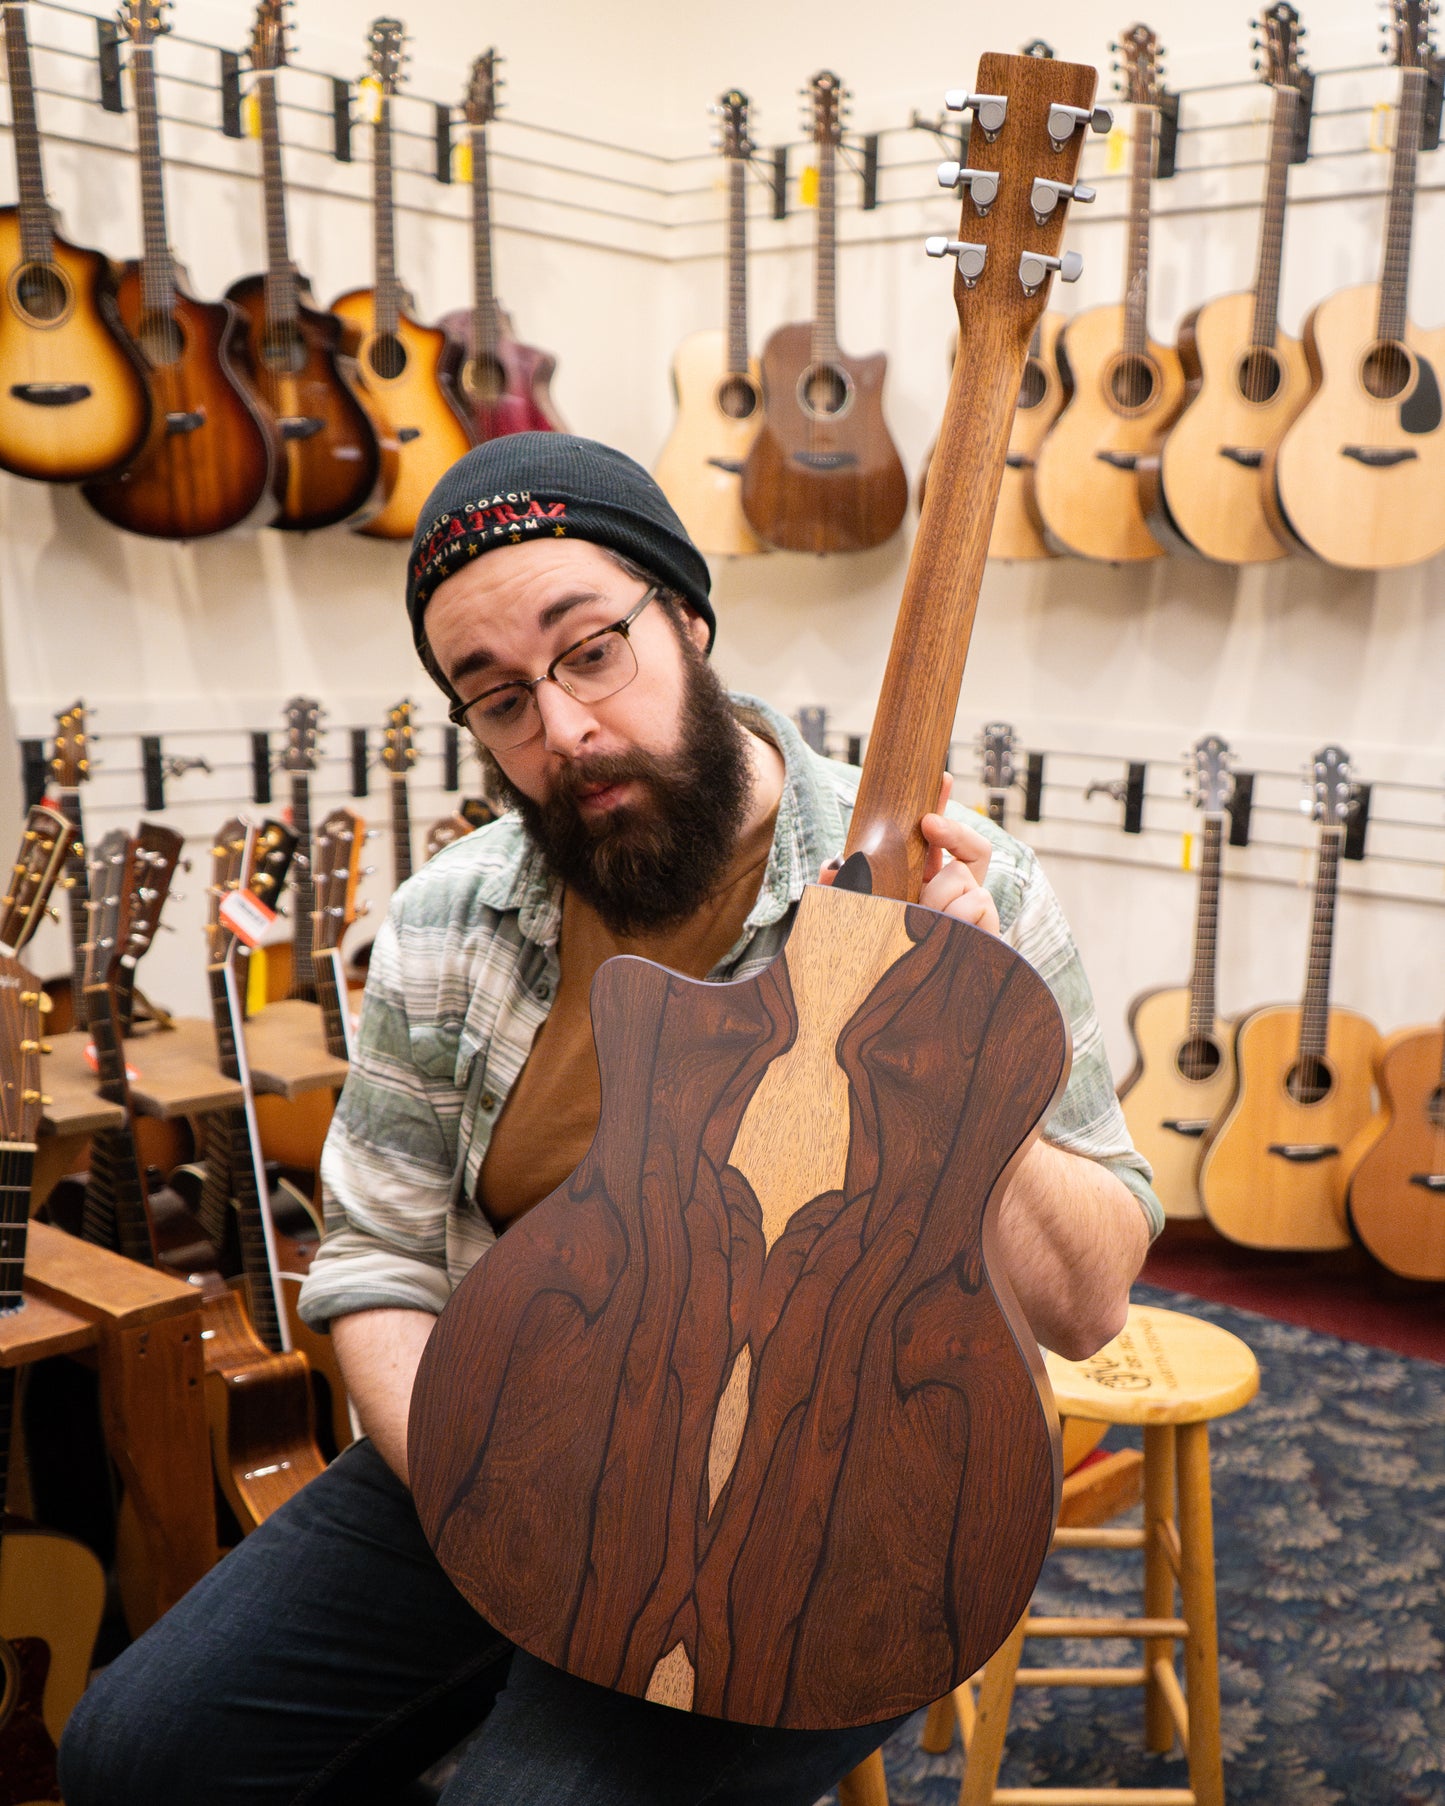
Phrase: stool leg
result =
(1201, 1648)
(995, 1697)
(1158, 1577)
(938, 1727)
(867, 1785)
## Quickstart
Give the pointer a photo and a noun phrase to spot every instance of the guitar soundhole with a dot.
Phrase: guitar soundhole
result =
(484, 380)
(824, 390)
(41, 293)
(283, 348)
(387, 356)
(162, 340)
(1199, 1058)
(1133, 383)
(1260, 376)
(1310, 1082)
(737, 398)
(1386, 371)
(1034, 386)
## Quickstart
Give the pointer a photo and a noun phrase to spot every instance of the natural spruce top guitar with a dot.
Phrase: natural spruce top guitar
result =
(73, 402)
(744, 1417)
(1359, 479)
(503, 385)
(823, 475)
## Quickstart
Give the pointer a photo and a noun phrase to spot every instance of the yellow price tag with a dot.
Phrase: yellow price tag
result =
(251, 115)
(808, 186)
(1382, 126)
(368, 99)
(462, 160)
(1115, 146)
(256, 998)
(1186, 853)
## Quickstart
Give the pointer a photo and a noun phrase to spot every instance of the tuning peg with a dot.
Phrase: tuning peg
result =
(982, 184)
(1033, 268)
(1046, 195)
(971, 258)
(1064, 121)
(989, 110)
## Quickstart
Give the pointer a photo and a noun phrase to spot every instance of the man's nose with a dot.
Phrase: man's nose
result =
(567, 724)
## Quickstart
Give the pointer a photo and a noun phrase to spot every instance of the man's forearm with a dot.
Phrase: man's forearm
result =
(378, 1353)
(1072, 1237)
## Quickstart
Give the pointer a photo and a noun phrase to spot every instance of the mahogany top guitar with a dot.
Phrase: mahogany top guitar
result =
(1127, 388)
(333, 464)
(503, 385)
(1245, 379)
(743, 1417)
(718, 389)
(1359, 479)
(73, 398)
(823, 474)
(207, 462)
(1396, 1165)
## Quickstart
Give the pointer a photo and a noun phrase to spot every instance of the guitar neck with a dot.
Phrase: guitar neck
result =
(17, 1168)
(36, 237)
(484, 331)
(737, 274)
(388, 293)
(77, 891)
(158, 276)
(282, 293)
(1395, 271)
(331, 995)
(825, 304)
(1315, 1010)
(1206, 923)
(400, 828)
(1265, 328)
(303, 889)
(117, 1213)
(1136, 252)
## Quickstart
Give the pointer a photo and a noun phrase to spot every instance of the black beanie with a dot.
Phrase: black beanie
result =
(551, 485)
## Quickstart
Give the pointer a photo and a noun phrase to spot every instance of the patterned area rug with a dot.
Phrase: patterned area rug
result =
(1329, 1498)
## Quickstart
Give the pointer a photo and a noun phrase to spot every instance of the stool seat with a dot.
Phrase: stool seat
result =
(1161, 1368)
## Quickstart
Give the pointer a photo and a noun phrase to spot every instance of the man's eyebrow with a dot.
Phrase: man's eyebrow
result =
(480, 659)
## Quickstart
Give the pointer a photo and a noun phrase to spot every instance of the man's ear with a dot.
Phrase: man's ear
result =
(697, 628)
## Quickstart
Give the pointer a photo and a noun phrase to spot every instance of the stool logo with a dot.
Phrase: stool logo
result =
(1117, 1376)
(1126, 1367)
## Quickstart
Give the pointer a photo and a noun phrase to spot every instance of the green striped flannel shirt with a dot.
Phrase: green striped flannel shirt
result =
(464, 971)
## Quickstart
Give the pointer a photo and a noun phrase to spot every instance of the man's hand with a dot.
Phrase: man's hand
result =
(955, 869)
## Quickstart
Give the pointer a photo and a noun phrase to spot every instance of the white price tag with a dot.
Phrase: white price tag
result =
(246, 916)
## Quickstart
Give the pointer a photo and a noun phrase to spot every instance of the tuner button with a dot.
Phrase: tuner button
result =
(971, 258)
(1033, 268)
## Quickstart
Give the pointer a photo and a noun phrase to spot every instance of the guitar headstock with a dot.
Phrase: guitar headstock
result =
(109, 869)
(732, 112)
(481, 105)
(155, 854)
(1332, 787)
(303, 723)
(44, 845)
(143, 21)
(398, 747)
(20, 1050)
(1140, 67)
(268, 36)
(70, 762)
(244, 857)
(996, 756)
(1210, 780)
(827, 103)
(1407, 31)
(1280, 37)
(442, 833)
(387, 47)
(271, 852)
(336, 872)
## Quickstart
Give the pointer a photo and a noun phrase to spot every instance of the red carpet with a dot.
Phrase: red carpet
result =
(1340, 1294)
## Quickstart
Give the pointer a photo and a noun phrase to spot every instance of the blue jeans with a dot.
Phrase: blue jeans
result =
(329, 1659)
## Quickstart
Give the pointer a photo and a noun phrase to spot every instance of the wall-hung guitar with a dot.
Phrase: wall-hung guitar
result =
(1395, 1168)
(1272, 1175)
(1246, 380)
(1183, 1075)
(503, 385)
(1127, 387)
(823, 475)
(398, 755)
(73, 396)
(207, 462)
(1359, 479)
(406, 368)
(333, 465)
(718, 389)
(996, 748)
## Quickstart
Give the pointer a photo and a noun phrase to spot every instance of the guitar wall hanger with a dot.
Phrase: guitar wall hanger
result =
(1128, 790)
(157, 766)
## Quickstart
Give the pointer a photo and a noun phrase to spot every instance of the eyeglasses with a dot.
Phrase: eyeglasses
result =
(589, 671)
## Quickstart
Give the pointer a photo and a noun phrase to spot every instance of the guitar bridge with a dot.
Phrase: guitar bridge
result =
(300, 426)
(1019, 461)
(1433, 1182)
(185, 422)
(1192, 1126)
(1120, 460)
(405, 434)
(50, 395)
(1247, 455)
(1303, 1153)
(733, 466)
(839, 460)
(1378, 457)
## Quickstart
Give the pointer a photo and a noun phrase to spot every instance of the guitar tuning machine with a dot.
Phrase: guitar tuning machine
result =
(971, 258)
(989, 110)
(982, 184)
(1064, 121)
(1046, 195)
(1033, 267)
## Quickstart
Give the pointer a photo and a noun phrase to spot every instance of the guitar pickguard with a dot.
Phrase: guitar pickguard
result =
(1420, 410)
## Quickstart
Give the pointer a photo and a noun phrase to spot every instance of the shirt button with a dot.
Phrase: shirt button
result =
(488, 1101)
(544, 991)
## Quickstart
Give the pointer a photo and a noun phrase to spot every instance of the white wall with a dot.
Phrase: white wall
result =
(202, 643)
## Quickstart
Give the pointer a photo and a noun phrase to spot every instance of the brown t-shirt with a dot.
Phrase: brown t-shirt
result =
(548, 1120)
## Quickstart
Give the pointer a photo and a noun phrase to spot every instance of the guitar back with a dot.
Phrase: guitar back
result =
(1397, 1165)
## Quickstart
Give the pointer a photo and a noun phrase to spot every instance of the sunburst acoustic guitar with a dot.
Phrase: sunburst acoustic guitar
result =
(1359, 479)
(1127, 387)
(74, 402)
(1245, 379)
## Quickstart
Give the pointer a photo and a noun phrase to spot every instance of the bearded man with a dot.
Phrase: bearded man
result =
(555, 597)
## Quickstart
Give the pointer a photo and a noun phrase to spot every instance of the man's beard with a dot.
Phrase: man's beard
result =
(650, 864)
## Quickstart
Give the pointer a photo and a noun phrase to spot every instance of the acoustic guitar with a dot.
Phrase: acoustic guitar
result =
(503, 386)
(996, 768)
(334, 463)
(74, 402)
(1272, 1174)
(206, 464)
(398, 755)
(444, 831)
(1183, 1075)
(1127, 387)
(823, 475)
(289, 970)
(744, 1417)
(1359, 479)
(69, 769)
(1395, 1167)
(406, 369)
(1245, 380)
(52, 1588)
(717, 385)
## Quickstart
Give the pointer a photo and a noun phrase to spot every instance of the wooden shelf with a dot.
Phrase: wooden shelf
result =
(286, 1046)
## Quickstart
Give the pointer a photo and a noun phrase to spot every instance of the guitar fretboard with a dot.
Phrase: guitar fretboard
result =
(1315, 1012)
(17, 1167)
(400, 828)
(1206, 923)
(282, 291)
(116, 1212)
(1395, 273)
(303, 889)
(1136, 250)
(388, 292)
(331, 995)
(158, 275)
(1265, 328)
(825, 314)
(737, 274)
(484, 334)
(35, 228)
(77, 882)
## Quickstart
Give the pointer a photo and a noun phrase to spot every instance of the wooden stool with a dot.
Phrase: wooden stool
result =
(1171, 1374)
